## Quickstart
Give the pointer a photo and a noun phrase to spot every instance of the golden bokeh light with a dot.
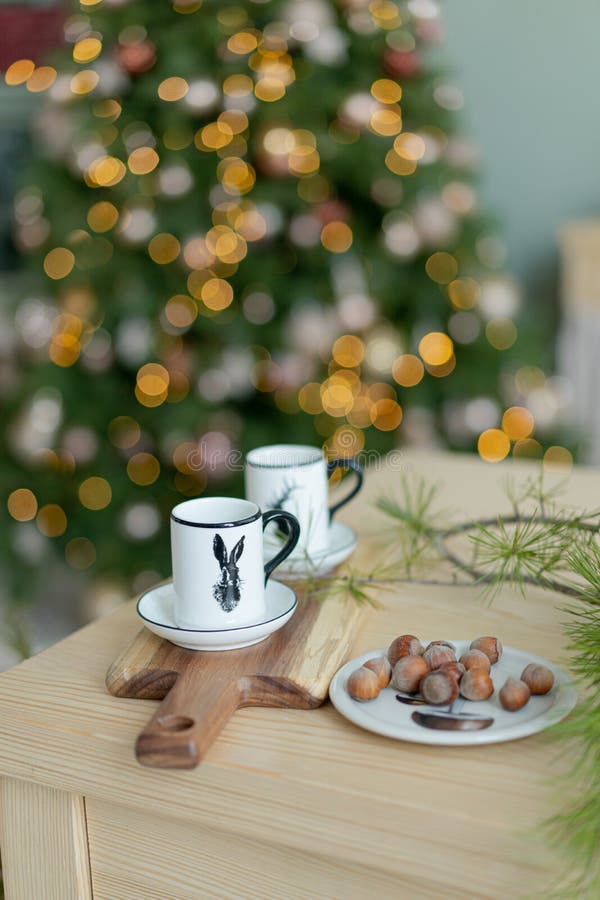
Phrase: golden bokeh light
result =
(385, 14)
(407, 370)
(180, 311)
(346, 442)
(41, 79)
(493, 445)
(213, 136)
(309, 398)
(83, 82)
(348, 351)
(95, 493)
(179, 386)
(386, 121)
(398, 164)
(386, 414)
(142, 160)
(164, 248)
(518, 423)
(251, 225)
(501, 333)
(152, 379)
(303, 160)
(143, 468)
(87, 49)
(410, 146)
(464, 293)
(107, 109)
(360, 414)
(442, 370)
(58, 263)
(80, 553)
(558, 459)
(237, 86)
(22, 505)
(337, 397)
(51, 520)
(64, 349)
(102, 216)
(269, 89)
(386, 91)
(124, 432)
(436, 348)
(236, 175)
(172, 89)
(441, 267)
(216, 294)
(337, 237)
(106, 171)
(528, 449)
(19, 71)
(242, 43)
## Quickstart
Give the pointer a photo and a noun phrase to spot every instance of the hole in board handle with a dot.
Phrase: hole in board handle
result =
(176, 723)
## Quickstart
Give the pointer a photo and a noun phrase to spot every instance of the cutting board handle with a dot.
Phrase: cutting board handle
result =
(187, 722)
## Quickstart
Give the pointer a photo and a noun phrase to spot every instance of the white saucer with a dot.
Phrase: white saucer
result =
(342, 542)
(155, 607)
(385, 715)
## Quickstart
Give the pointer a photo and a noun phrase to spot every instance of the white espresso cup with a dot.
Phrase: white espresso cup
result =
(219, 574)
(294, 477)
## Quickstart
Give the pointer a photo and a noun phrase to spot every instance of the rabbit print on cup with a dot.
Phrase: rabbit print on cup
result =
(226, 591)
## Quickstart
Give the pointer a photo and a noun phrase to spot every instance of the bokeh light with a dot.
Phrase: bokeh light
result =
(52, 520)
(337, 237)
(143, 468)
(22, 504)
(407, 370)
(441, 267)
(493, 445)
(436, 348)
(172, 89)
(19, 71)
(95, 493)
(518, 423)
(58, 263)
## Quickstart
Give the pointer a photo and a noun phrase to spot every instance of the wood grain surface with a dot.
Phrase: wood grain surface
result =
(201, 690)
(43, 837)
(305, 793)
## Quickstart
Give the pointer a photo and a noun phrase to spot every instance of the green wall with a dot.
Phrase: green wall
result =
(530, 72)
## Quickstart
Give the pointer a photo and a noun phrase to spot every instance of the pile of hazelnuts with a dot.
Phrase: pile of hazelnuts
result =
(439, 677)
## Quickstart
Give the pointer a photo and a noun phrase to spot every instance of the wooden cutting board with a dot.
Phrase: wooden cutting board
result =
(201, 690)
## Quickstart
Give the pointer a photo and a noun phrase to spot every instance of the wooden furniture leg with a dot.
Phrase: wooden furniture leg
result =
(43, 838)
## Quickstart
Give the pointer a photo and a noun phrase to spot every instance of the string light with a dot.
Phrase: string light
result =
(22, 505)
(493, 445)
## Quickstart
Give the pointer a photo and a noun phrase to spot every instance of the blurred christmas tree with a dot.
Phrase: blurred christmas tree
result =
(256, 222)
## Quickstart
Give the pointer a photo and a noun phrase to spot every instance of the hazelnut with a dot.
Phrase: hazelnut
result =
(476, 684)
(439, 688)
(514, 694)
(408, 672)
(363, 684)
(539, 679)
(491, 646)
(405, 645)
(382, 668)
(441, 644)
(475, 659)
(436, 655)
(455, 669)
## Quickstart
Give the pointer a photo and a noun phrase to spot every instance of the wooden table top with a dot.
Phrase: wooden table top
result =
(444, 821)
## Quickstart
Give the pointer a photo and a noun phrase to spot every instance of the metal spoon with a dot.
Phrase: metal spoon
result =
(445, 722)
(416, 700)
(448, 720)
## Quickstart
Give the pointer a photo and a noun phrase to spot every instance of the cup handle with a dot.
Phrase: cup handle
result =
(357, 469)
(293, 533)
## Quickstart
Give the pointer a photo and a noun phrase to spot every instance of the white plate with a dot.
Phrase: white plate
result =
(342, 543)
(386, 715)
(155, 608)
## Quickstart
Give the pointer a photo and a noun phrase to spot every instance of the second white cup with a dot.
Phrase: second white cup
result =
(293, 477)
